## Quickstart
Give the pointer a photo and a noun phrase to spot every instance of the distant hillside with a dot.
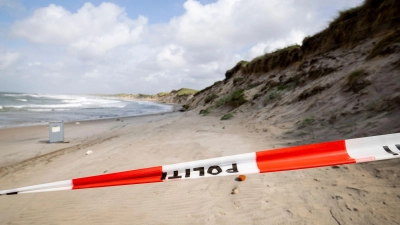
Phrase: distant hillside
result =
(180, 96)
(341, 81)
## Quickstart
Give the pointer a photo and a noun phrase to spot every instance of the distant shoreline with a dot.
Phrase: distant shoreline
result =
(175, 107)
(90, 120)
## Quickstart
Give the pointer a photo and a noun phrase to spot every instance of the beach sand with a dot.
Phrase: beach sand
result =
(365, 193)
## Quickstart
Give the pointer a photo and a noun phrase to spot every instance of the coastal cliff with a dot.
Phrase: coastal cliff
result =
(340, 82)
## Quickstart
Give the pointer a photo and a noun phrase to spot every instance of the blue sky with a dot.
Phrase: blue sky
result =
(147, 47)
(156, 10)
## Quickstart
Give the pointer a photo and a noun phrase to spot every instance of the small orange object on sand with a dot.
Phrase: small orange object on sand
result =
(242, 177)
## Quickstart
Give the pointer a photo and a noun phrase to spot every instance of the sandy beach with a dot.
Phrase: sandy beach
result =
(150, 84)
(352, 194)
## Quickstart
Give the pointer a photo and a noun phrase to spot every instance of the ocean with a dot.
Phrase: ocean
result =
(21, 109)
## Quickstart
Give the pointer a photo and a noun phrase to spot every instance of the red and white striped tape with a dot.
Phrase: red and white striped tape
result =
(291, 158)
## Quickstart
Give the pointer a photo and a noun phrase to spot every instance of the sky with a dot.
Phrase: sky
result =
(137, 46)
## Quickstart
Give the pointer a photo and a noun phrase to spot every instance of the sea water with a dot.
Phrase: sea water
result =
(21, 109)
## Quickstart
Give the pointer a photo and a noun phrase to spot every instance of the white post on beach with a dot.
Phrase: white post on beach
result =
(56, 131)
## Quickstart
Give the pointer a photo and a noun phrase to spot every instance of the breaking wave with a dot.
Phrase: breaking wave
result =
(22, 108)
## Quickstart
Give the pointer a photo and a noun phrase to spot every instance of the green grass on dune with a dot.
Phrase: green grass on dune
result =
(161, 94)
(186, 91)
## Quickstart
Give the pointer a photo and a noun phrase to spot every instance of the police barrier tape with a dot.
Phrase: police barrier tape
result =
(290, 158)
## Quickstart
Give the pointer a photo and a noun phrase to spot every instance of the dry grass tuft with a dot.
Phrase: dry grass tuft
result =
(354, 25)
(381, 47)
(240, 65)
(356, 82)
(210, 98)
(311, 92)
(227, 116)
(278, 59)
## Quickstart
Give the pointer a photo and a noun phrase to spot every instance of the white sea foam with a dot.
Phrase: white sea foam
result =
(92, 101)
(15, 95)
(35, 96)
(71, 105)
(50, 96)
(69, 108)
(38, 96)
(66, 102)
(47, 110)
(44, 106)
(73, 101)
(78, 100)
(40, 110)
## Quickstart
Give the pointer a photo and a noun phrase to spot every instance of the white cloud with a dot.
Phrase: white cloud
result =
(235, 23)
(171, 56)
(295, 37)
(91, 31)
(7, 59)
(257, 50)
(103, 50)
